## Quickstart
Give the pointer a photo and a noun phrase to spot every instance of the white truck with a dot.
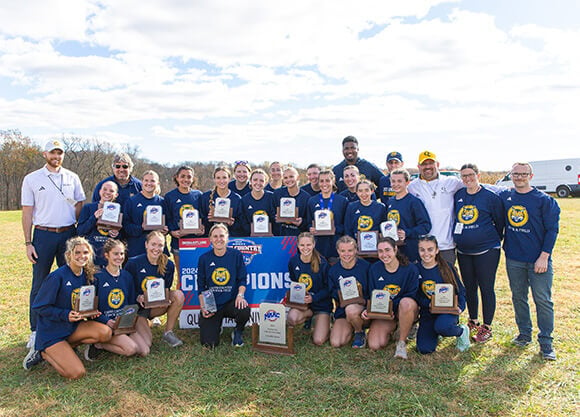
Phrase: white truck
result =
(560, 176)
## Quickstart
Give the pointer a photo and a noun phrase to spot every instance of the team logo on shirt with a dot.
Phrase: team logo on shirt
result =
(428, 288)
(365, 223)
(306, 279)
(468, 214)
(185, 207)
(517, 216)
(260, 213)
(116, 298)
(144, 283)
(220, 276)
(393, 289)
(394, 215)
(73, 297)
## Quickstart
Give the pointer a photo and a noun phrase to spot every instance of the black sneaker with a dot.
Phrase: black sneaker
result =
(308, 324)
(91, 352)
(237, 338)
(32, 358)
(522, 340)
(547, 352)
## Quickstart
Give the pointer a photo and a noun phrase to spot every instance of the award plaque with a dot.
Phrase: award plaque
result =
(112, 218)
(295, 296)
(154, 219)
(190, 223)
(350, 292)
(156, 295)
(389, 229)
(379, 307)
(209, 303)
(444, 300)
(87, 301)
(222, 211)
(261, 225)
(126, 321)
(287, 211)
(367, 243)
(323, 222)
(270, 334)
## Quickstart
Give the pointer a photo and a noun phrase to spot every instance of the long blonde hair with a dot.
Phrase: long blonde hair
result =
(163, 258)
(156, 176)
(214, 190)
(89, 268)
(316, 258)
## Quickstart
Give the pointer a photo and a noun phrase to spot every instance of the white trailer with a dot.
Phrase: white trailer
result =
(560, 176)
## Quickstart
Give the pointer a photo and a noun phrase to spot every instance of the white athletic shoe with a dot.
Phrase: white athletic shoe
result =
(401, 350)
(31, 340)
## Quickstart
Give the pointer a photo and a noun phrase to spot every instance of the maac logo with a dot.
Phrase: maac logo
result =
(468, 214)
(517, 216)
(73, 297)
(393, 289)
(428, 288)
(394, 215)
(365, 223)
(220, 276)
(185, 207)
(116, 298)
(306, 279)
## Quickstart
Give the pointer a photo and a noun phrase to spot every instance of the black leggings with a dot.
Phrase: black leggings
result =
(478, 271)
(209, 329)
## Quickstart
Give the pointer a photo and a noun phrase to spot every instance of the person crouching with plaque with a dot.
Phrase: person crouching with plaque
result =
(310, 268)
(61, 326)
(88, 224)
(155, 264)
(347, 282)
(222, 271)
(256, 204)
(325, 215)
(435, 271)
(116, 289)
(395, 274)
(221, 205)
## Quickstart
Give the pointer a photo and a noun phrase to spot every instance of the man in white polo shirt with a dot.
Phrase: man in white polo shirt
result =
(52, 198)
(436, 192)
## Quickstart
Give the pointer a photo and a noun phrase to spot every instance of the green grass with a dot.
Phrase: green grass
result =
(495, 379)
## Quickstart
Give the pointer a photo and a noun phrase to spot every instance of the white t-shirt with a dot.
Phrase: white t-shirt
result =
(53, 196)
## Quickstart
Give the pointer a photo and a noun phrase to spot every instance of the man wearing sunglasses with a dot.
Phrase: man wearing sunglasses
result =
(530, 235)
(128, 185)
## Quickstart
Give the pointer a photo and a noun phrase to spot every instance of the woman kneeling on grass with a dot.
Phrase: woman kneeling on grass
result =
(222, 271)
(60, 329)
(400, 278)
(311, 269)
(151, 265)
(435, 270)
(116, 289)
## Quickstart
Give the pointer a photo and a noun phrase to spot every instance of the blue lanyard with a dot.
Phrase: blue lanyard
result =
(330, 200)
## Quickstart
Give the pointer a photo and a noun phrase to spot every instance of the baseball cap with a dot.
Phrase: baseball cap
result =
(51, 145)
(395, 155)
(423, 156)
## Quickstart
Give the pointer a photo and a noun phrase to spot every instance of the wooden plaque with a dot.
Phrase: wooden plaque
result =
(126, 322)
(156, 304)
(145, 226)
(297, 306)
(287, 220)
(380, 316)
(88, 313)
(357, 300)
(271, 348)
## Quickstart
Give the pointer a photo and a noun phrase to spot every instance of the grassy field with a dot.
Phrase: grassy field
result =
(496, 379)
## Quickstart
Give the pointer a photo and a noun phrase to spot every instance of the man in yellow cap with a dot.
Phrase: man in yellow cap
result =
(436, 192)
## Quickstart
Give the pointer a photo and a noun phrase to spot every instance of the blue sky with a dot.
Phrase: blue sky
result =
(488, 82)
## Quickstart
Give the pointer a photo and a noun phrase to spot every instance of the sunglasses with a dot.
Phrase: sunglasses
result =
(429, 238)
(118, 166)
(241, 162)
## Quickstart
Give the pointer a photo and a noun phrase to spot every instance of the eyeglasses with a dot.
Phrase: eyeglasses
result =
(430, 238)
(520, 174)
(472, 175)
(124, 166)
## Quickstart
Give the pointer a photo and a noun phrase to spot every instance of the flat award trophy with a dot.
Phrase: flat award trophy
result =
(126, 321)
(112, 218)
(444, 300)
(287, 211)
(379, 307)
(156, 295)
(350, 292)
(295, 296)
(189, 223)
(87, 301)
(389, 229)
(270, 334)
(221, 212)
(261, 225)
(323, 222)
(154, 218)
(209, 303)
(367, 243)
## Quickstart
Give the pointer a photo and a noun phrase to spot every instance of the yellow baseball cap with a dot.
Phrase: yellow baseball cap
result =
(423, 156)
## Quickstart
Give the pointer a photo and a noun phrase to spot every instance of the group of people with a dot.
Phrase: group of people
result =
(437, 217)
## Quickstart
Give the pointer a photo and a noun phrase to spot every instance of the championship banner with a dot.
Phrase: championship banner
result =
(266, 260)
